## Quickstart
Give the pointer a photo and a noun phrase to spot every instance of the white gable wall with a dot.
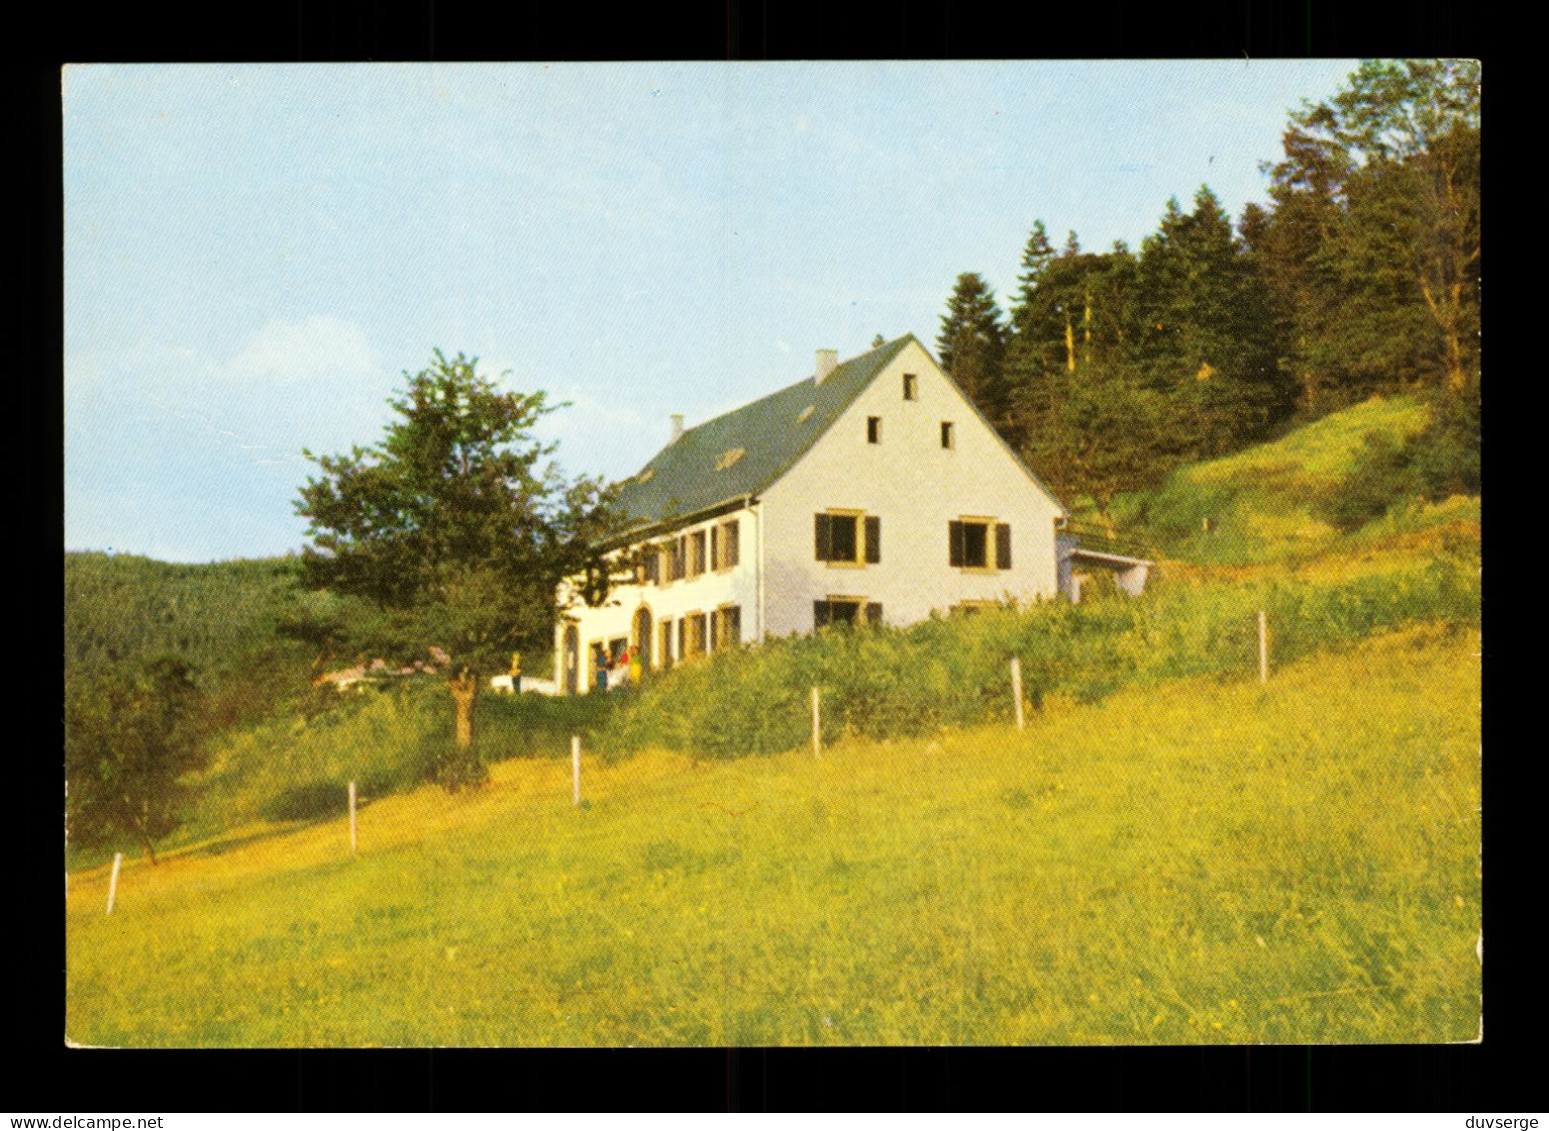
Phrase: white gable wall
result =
(916, 487)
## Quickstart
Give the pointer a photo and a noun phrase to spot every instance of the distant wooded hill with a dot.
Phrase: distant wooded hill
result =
(222, 619)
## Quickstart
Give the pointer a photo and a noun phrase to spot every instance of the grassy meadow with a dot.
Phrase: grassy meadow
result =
(1206, 860)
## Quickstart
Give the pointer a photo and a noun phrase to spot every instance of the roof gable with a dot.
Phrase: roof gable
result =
(743, 451)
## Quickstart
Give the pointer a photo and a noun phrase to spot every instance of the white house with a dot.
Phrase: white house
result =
(872, 490)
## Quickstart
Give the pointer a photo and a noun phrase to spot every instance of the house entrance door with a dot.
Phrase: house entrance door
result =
(572, 658)
(642, 641)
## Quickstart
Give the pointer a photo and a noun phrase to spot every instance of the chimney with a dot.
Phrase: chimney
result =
(828, 361)
(677, 426)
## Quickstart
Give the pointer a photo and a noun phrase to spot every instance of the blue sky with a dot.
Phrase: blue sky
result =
(255, 254)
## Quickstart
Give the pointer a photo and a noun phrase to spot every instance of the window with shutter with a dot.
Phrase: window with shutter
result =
(845, 537)
(873, 539)
(972, 541)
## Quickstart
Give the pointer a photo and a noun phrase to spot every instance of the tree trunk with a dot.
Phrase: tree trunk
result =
(465, 688)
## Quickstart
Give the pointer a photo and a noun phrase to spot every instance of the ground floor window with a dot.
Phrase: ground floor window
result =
(692, 633)
(725, 628)
(845, 610)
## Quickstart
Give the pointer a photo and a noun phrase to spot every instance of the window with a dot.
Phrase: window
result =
(845, 610)
(873, 429)
(694, 635)
(948, 439)
(969, 541)
(723, 545)
(696, 553)
(650, 566)
(725, 628)
(730, 550)
(911, 387)
(848, 538)
(673, 553)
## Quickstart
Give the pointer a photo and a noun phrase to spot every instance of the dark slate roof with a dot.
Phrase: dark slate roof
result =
(772, 433)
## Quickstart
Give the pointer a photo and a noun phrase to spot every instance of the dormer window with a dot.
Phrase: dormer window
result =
(911, 387)
(873, 429)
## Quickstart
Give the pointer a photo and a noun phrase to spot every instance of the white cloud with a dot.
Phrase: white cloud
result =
(286, 352)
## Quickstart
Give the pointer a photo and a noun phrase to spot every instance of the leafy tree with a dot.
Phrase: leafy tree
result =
(1376, 225)
(972, 344)
(455, 532)
(131, 732)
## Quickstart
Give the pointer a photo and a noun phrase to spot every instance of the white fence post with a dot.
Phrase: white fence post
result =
(118, 858)
(1016, 687)
(1263, 647)
(352, 818)
(575, 768)
(817, 730)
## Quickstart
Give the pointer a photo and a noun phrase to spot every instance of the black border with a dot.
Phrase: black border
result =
(44, 1076)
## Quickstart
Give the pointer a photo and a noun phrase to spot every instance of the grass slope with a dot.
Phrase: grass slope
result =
(1202, 861)
(1259, 502)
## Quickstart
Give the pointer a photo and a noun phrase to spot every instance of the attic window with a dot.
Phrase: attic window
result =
(728, 458)
(911, 387)
(803, 414)
(873, 429)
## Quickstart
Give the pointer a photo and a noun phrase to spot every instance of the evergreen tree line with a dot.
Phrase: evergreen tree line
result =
(1359, 276)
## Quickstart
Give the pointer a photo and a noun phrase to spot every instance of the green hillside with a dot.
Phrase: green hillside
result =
(220, 618)
(1261, 504)
(1205, 861)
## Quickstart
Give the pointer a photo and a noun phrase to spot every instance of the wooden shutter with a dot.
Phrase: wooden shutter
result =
(824, 535)
(729, 544)
(1002, 545)
(873, 539)
(874, 613)
(715, 630)
(954, 543)
(820, 614)
(715, 547)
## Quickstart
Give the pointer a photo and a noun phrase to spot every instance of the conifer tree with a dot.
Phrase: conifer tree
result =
(972, 344)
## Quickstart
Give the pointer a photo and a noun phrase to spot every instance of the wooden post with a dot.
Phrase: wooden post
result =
(817, 727)
(118, 858)
(1263, 647)
(352, 818)
(1016, 687)
(575, 768)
